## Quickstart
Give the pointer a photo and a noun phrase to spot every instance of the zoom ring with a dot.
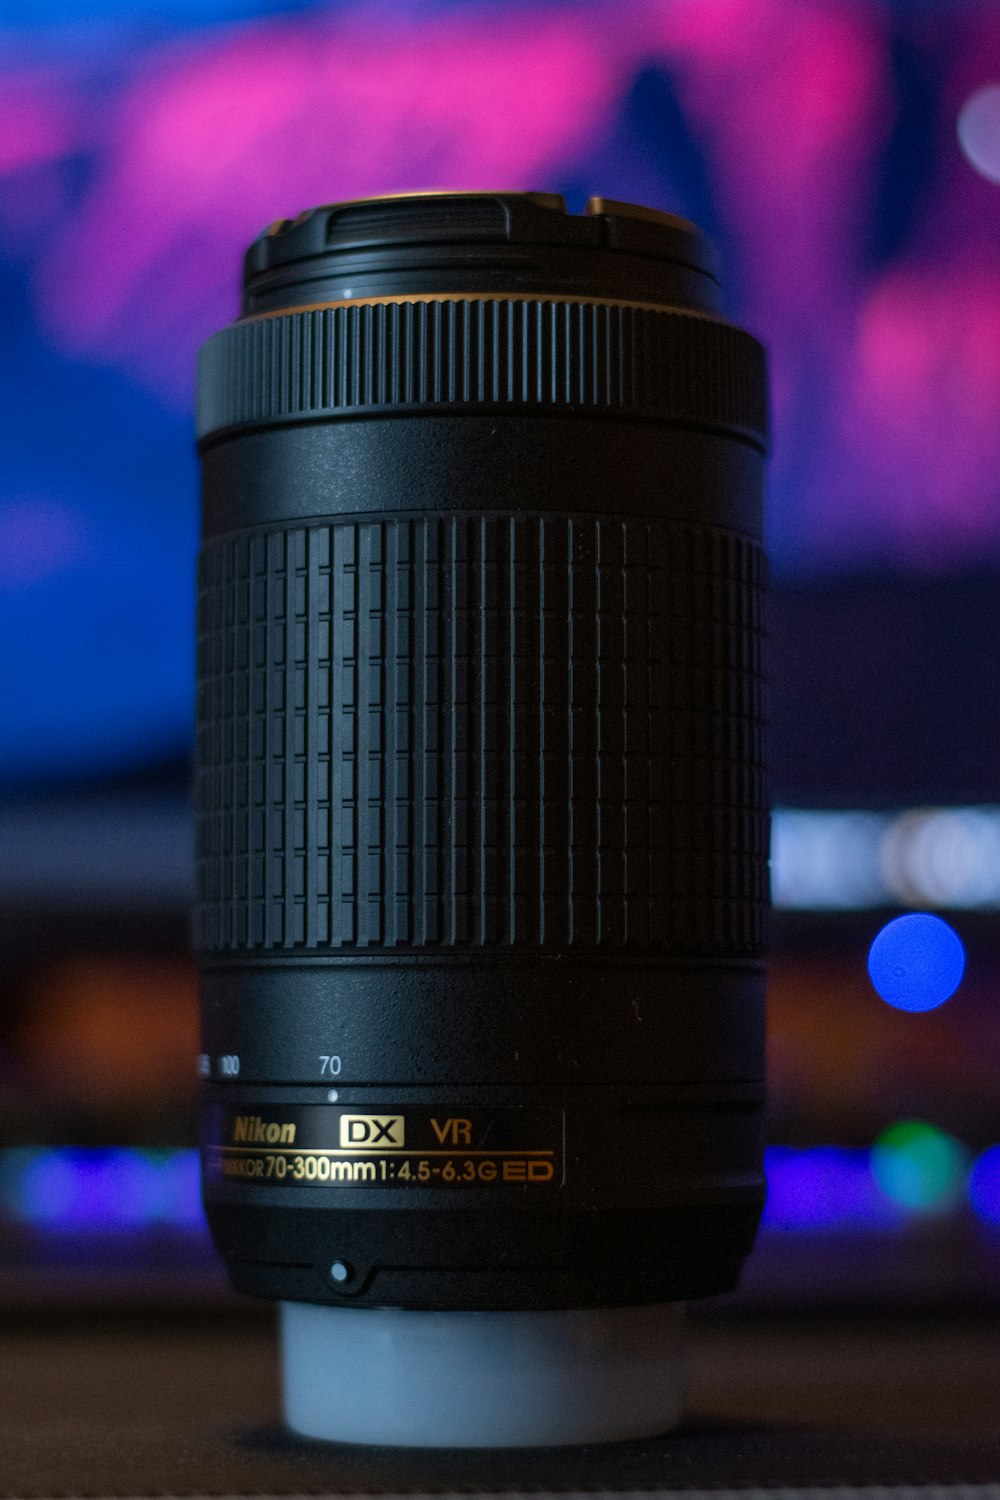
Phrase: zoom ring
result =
(469, 354)
(468, 732)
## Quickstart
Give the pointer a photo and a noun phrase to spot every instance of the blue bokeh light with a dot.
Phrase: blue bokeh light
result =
(826, 1188)
(105, 1188)
(984, 1186)
(916, 962)
(45, 1190)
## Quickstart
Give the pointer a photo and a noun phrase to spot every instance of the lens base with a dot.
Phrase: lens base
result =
(404, 1378)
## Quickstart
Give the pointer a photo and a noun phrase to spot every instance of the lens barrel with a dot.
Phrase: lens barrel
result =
(482, 815)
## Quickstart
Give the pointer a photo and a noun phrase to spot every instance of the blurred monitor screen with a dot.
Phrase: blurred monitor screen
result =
(845, 157)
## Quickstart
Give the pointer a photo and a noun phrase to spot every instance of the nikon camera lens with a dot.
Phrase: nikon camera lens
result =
(482, 816)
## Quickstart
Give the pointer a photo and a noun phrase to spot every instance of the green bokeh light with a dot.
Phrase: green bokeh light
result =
(920, 1167)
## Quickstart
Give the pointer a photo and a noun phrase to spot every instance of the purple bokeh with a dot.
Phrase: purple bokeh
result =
(886, 379)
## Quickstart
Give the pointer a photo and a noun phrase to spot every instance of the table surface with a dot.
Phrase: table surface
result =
(145, 1405)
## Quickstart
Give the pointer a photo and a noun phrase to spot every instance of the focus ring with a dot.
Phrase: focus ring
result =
(473, 353)
(463, 732)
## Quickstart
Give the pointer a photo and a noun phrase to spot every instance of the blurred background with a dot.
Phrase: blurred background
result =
(845, 156)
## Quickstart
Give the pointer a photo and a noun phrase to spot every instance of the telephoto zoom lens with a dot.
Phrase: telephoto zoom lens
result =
(482, 813)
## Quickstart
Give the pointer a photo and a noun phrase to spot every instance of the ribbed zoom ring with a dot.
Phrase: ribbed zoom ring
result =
(471, 353)
(466, 732)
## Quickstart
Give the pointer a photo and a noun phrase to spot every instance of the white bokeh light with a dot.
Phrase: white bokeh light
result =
(826, 861)
(979, 130)
(936, 857)
(947, 857)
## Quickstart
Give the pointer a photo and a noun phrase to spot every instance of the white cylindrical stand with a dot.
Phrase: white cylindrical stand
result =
(480, 1379)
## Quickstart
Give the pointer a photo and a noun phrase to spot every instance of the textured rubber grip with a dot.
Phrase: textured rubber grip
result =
(538, 354)
(465, 732)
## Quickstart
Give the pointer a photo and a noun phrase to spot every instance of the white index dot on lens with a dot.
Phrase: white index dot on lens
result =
(339, 1271)
(332, 1096)
(979, 130)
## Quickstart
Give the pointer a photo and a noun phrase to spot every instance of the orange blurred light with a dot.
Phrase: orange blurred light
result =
(114, 1032)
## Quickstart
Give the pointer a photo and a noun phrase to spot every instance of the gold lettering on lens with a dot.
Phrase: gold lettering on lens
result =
(260, 1132)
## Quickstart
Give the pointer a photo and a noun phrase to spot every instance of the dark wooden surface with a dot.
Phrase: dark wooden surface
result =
(148, 1405)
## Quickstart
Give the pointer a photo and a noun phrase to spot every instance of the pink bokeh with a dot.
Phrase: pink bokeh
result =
(39, 118)
(920, 415)
(217, 138)
(885, 382)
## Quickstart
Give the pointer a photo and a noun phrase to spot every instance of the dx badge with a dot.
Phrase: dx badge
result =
(362, 1132)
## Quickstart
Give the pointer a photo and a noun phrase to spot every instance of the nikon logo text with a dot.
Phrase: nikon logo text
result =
(365, 1131)
(258, 1132)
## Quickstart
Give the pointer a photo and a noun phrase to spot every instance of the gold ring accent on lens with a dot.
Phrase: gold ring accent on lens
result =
(402, 298)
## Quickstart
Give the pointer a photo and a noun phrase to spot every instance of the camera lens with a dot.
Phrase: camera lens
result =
(482, 817)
